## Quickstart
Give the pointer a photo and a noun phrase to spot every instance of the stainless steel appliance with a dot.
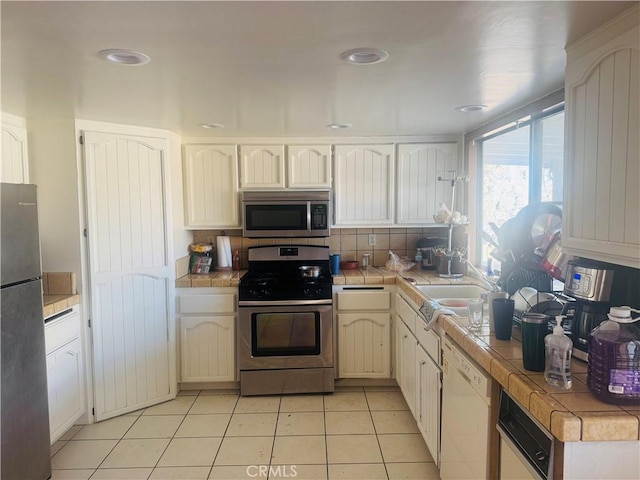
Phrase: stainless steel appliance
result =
(285, 324)
(25, 408)
(590, 283)
(286, 214)
(526, 449)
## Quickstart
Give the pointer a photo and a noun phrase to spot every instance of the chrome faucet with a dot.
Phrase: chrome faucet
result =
(492, 286)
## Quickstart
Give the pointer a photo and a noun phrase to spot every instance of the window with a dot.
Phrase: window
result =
(519, 165)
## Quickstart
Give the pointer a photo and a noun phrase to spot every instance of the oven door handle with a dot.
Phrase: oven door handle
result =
(283, 303)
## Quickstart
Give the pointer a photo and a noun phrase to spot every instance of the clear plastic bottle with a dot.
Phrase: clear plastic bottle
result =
(558, 348)
(613, 371)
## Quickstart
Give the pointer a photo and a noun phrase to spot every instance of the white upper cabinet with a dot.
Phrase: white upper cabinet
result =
(211, 186)
(602, 169)
(363, 185)
(309, 166)
(15, 163)
(262, 167)
(418, 190)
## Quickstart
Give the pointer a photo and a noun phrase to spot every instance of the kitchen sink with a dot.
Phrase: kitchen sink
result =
(452, 297)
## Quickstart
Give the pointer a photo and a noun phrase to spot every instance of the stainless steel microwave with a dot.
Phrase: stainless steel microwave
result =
(286, 214)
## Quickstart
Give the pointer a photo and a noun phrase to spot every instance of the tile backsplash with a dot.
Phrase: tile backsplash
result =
(350, 243)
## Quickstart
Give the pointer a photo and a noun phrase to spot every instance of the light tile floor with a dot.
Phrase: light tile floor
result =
(357, 433)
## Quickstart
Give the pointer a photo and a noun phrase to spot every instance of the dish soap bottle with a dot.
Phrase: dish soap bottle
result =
(558, 348)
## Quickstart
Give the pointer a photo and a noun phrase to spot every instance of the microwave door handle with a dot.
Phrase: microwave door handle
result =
(309, 217)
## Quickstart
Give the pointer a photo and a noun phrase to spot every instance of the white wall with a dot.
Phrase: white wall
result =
(52, 159)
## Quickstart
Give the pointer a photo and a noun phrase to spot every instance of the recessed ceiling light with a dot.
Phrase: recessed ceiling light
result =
(124, 57)
(364, 56)
(339, 126)
(470, 108)
(211, 125)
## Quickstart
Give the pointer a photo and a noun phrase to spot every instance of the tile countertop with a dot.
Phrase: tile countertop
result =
(57, 303)
(370, 276)
(59, 292)
(571, 416)
(213, 279)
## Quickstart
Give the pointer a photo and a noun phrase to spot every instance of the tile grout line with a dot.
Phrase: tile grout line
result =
(384, 463)
(275, 430)
(224, 435)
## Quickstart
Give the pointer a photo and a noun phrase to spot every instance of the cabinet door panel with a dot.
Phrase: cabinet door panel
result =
(363, 342)
(207, 348)
(218, 303)
(14, 165)
(309, 166)
(364, 301)
(602, 157)
(419, 192)
(429, 385)
(62, 330)
(211, 186)
(261, 166)
(65, 383)
(363, 184)
(408, 346)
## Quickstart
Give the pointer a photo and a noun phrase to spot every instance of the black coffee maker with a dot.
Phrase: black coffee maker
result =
(590, 283)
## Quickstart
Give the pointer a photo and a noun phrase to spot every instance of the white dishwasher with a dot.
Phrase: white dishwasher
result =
(466, 400)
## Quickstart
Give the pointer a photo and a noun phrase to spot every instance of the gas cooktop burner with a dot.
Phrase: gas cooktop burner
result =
(274, 274)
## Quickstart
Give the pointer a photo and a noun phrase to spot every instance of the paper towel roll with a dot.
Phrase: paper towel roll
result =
(224, 251)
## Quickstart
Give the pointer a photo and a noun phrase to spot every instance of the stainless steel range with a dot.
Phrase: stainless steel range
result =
(285, 327)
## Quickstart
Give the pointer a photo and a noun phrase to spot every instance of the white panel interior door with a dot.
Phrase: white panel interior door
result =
(130, 272)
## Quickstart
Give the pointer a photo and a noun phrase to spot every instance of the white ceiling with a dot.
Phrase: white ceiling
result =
(273, 69)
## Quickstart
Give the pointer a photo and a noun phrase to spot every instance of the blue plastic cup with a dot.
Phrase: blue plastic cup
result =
(335, 263)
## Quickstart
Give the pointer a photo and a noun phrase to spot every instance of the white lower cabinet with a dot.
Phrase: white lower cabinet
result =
(65, 372)
(428, 395)
(207, 319)
(207, 348)
(363, 320)
(406, 344)
(418, 372)
(364, 341)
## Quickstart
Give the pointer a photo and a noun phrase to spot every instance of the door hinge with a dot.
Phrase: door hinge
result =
(85, 233)
(89, 322)
(93, 412)
(81, 139)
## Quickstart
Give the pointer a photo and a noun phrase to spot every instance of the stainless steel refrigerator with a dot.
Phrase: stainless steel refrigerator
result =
(25, 408)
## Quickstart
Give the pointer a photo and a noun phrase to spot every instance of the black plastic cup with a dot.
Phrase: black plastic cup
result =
(535, 326)
(503, 317)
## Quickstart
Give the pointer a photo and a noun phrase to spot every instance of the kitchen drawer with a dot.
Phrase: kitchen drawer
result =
(62, 330)
(408, 314)
(363, 300)
(221, 303)
(429, 340)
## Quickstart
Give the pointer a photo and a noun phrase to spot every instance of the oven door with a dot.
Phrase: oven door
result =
(285, 336)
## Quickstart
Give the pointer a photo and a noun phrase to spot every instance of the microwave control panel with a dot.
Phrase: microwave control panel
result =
(319, 216)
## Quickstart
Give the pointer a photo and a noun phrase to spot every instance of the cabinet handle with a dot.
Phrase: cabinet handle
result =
(423, 362)
(406, 336)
